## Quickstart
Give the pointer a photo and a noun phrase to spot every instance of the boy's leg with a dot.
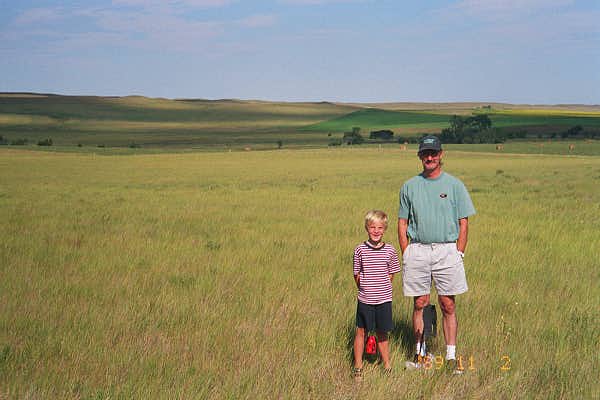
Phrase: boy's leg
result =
(385, 324)
(384, 348)
(359, 346)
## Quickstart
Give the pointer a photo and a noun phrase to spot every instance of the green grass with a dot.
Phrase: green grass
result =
(524, 120)
(411, 122)
(539, 147)
(228, 275)
(375, 119)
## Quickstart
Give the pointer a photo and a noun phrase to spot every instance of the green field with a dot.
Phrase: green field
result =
(186, 124)
(375, 119)
(228, 275)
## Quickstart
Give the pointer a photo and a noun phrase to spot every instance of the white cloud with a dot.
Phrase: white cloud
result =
(39, 15)
(149, 24)
(258, 21)
(189, 3)
(157, 30)
(320, 2)
(495, 9)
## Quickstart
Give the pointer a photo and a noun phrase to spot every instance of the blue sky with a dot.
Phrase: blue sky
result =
(516, 51)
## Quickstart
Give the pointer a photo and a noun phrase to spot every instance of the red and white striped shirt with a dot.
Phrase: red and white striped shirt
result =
(374, 266)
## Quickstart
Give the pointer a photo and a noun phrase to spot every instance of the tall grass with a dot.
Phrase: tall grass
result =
(228, 275)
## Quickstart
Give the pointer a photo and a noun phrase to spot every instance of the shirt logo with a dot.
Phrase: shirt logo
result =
(443, 195)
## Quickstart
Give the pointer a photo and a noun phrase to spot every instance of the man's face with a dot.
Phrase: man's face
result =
(431, 160)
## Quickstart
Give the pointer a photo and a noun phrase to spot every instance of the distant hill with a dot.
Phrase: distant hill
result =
(158, 122)
(119, 121)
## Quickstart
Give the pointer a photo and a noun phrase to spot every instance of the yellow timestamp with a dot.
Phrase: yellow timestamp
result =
(462, 363)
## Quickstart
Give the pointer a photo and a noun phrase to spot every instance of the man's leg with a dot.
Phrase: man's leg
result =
(450, 323)
(419, 302)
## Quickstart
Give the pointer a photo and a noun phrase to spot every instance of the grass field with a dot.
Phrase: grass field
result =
(92, 121)
(228, 275)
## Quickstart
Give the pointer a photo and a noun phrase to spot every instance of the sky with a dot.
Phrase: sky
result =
(512, 51)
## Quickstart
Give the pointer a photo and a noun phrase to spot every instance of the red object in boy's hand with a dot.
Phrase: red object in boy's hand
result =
(371, 347)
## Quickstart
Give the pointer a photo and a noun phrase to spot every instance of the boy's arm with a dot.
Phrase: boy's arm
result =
(357, 266)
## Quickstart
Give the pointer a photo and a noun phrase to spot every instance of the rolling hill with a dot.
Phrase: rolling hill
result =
(191, 123)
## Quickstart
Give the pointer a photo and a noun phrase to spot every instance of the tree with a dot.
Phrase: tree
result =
(353, 137)
(474, 129)
(45, 142)
(384, 134)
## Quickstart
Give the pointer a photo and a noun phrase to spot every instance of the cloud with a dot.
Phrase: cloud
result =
(157, 30)
(320, 2)
(39, 15)
(174, 3)
(258, 21)
(501, 9)
(137, 24)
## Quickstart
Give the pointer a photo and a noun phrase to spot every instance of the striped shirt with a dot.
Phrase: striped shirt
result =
(374, 266)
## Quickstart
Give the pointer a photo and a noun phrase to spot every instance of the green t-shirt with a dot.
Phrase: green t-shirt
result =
(433, 207)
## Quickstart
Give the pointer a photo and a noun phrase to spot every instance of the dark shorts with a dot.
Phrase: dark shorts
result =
(376, 318)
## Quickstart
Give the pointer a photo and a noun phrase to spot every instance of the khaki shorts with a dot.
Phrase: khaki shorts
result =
(422, 262)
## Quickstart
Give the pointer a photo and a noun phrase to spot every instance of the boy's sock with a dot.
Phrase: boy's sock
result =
(451, 352)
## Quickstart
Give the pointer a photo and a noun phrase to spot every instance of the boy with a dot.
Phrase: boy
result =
(375, 264)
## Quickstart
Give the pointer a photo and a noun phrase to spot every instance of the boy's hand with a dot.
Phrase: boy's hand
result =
(357, 280)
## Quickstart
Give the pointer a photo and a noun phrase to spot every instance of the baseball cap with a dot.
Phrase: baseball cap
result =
(430, 142)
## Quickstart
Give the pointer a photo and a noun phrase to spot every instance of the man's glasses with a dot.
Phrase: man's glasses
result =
(427, 153)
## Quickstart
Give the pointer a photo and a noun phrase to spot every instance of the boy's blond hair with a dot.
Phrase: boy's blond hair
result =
(376, 216)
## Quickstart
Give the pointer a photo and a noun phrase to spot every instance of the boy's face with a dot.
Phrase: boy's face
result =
(375, 230)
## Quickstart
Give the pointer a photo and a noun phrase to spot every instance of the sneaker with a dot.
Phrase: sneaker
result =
(417, 363)
(453, 367)
(358, 375)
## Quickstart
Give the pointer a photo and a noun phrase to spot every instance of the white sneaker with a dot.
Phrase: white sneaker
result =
(415, 364)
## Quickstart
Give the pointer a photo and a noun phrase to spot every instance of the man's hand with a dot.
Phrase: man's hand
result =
(402, 234)
(463, 230)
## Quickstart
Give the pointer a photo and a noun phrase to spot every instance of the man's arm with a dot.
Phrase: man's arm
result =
(402, 233)
(463, 231)
(357, 280)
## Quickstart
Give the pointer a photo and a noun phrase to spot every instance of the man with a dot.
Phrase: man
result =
(432, 231)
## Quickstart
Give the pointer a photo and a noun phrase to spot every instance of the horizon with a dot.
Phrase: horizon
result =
(528, 52)
(474, 102)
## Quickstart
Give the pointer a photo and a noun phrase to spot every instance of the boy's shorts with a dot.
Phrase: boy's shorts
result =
(422, 262)
(375, 317)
